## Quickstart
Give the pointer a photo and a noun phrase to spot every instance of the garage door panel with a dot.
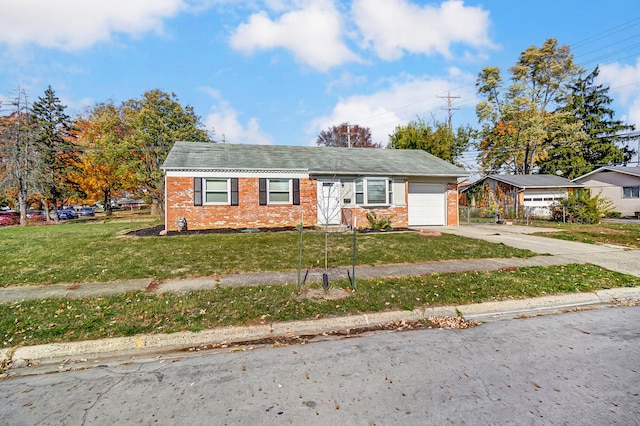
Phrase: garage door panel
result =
(426, 204)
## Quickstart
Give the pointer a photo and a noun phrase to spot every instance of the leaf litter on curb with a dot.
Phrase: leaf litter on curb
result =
(292, 339)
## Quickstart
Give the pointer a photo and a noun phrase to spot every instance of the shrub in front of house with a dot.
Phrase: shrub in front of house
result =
(382, 223)
(581, 207)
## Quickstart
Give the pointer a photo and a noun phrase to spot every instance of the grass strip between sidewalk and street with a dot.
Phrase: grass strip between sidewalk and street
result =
(64, 320)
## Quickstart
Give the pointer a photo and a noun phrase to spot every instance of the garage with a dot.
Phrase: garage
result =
(538, 203)
(426, 204)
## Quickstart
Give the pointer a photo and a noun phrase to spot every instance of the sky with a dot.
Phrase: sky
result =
(281, 71)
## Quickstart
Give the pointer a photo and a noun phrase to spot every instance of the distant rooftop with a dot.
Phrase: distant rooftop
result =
(532, 181)
(633, 171)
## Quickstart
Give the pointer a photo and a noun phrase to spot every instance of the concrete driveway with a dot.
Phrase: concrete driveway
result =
(615, 258)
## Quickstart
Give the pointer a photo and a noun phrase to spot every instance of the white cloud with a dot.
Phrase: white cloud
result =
(402, 101)
(312, 32)
(78, 24)
(624, 85)
(393, 27)
(223, 118)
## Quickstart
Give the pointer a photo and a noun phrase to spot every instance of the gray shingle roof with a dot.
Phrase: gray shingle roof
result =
(532, 181)
(633, 171)
(313, 160)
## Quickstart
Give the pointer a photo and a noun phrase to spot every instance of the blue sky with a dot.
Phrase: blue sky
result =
(280, 71)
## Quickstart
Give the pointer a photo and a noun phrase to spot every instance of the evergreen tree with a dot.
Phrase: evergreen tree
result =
(589, 104)
(55, 147)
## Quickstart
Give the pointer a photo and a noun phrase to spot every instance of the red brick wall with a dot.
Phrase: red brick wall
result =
(452, 204)
(399, 215)
(248, 214)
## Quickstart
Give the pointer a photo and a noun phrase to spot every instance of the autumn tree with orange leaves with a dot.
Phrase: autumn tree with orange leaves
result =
(106, 165)
(522, 121)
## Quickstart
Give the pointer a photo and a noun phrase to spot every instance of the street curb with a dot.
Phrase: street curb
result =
(155, 343)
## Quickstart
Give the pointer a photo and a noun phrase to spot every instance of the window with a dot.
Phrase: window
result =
(279, 191)
(216, 191)
(631, 192)
(373, 191)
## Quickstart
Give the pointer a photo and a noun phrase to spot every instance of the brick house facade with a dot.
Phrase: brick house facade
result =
(212, 186)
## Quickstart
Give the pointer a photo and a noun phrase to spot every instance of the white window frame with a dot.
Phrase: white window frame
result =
(388, 191)
(289, 192)
(205, 192)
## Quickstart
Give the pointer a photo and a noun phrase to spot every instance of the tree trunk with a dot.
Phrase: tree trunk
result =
(157, 207)
(107, 203)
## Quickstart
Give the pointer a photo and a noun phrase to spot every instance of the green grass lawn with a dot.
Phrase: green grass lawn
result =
(98, 251)
(61, 320)
(622, 234)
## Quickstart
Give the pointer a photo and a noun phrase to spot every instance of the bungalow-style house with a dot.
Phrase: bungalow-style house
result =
(213, 186)
(519, 195)
(619, 184)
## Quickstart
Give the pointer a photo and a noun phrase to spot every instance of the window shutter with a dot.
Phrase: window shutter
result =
(262, 188)
(197, 191)
(296, 192)
(234, 192)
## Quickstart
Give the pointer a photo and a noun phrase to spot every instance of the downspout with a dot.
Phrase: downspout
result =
(166, 205)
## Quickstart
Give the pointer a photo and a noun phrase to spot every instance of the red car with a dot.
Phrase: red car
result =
(8, 217)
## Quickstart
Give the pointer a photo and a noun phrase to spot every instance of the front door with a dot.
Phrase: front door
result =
(329, 192)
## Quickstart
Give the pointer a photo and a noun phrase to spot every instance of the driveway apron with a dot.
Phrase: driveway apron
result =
(615, 258)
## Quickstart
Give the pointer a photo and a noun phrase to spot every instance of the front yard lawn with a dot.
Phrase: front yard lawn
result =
(62, 320)
(621, 234)
(99, 252)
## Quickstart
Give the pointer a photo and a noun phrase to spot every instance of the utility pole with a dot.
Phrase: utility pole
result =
(348, 135)
(449, 108)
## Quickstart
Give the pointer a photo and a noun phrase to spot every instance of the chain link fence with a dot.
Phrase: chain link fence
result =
(470, 215)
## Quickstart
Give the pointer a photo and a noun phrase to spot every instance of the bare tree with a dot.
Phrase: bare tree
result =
(17, 155)
(347, 136)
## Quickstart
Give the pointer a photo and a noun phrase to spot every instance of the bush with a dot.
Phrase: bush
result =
(382, 223)
(581, 207)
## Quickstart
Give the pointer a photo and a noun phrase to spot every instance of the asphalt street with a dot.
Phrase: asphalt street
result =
(573, 369)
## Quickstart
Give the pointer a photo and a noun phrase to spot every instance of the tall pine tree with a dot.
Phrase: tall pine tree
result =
(604, 144)
(55, 147)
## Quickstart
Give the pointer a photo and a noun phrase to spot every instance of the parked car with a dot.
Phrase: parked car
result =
(36, 215)
(66, 214)
(87, 211)
(8, 217)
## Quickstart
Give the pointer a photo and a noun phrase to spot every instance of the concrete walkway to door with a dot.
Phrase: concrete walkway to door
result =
(615, 258)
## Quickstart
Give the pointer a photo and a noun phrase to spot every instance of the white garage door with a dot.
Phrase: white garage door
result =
(426, 204)
(538, 203)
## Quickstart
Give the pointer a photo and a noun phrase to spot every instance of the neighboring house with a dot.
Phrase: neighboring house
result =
(619, 184)
(517, 195)
(265, 186)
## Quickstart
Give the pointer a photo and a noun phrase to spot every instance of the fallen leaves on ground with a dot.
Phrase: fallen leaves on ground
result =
(291, 339)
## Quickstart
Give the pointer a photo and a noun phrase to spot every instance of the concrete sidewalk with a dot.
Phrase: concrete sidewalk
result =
(16, 294)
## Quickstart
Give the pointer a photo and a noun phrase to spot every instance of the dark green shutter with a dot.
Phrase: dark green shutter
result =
(296, 192)
(197, 191)
(262, 188)
(234, 192)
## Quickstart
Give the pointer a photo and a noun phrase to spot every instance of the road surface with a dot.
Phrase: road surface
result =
(576, 368)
